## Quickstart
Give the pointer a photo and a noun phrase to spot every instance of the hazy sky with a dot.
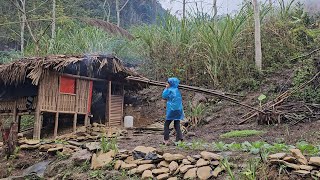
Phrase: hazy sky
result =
(224, 6)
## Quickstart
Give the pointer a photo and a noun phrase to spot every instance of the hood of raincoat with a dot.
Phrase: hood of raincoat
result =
(174, 82)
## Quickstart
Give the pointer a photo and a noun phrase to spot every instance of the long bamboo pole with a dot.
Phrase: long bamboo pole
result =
(195, 89)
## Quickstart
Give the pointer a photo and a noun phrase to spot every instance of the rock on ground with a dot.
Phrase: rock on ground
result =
(204, 172)
(277, 156)
(81, 156)
(145, 167)
(185, 168)
(210, 156)
(300, 157)
(314, 161)
(162, 170)
(173, 157)
(191, 174)
(173, 166)
(147, 174)
(163, 176)
(202, 162)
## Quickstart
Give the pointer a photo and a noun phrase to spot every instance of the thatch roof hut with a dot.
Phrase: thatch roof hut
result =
(64, 85)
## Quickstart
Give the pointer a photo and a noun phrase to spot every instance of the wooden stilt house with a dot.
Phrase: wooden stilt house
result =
(58, 85)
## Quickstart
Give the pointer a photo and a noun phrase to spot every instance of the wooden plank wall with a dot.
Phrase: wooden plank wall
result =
(82, 95)
(68, 103)
(48, 91)
(116, 108)
(21, 104)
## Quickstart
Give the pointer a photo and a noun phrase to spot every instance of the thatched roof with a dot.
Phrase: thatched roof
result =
(91, 66)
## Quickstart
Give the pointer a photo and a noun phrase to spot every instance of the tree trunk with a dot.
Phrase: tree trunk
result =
(118, 12)
(106, 13)
(257, 35)
(22, 26)
(118, 9)
(53, 29)
(184, 9)
(215, 9)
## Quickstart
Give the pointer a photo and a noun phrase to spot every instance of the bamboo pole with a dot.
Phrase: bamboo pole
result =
(195, 89)
(83, 77)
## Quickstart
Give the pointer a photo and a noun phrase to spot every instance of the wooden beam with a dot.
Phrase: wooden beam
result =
(83, 77)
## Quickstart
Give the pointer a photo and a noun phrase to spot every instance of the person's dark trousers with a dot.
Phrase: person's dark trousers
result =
(176, 127)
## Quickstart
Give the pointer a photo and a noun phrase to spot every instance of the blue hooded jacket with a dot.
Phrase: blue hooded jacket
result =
(174, 100)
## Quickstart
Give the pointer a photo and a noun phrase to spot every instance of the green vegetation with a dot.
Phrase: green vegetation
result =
(195, 113)
(97, 174)
(250, 172)
(241, 133)
(258, 147)
(27, 121)
(225, 163)
(108, 144)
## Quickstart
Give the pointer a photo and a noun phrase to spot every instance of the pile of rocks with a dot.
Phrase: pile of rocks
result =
(93, 132)
(48, 146)
(84, 138)
(149, 163)
(297, 162)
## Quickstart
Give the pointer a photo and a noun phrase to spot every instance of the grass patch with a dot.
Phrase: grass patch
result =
(241, 133)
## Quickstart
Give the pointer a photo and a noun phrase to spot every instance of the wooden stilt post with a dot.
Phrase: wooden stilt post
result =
(86, 119)
(122, 104)
(56, 125)
(75, 116)
(19, 123)
(37, 123)
(56, 121)
(109, 102)
(15, 112)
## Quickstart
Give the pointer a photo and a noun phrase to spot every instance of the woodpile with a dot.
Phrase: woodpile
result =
(280, 110)
(298, 163)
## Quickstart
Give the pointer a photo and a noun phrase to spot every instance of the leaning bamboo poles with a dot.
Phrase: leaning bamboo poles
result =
(272, 107)
(219, 94)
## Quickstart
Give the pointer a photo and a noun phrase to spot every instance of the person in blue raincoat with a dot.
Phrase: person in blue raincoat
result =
(174, 111)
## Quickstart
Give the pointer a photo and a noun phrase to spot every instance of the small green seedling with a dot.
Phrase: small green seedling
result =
(261, 98)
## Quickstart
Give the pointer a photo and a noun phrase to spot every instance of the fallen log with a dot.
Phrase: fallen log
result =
(219, 94)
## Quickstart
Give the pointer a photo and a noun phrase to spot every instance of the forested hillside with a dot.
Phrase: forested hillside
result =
(39, 15)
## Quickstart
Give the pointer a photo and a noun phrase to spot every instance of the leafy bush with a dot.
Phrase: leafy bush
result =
(311, 93)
